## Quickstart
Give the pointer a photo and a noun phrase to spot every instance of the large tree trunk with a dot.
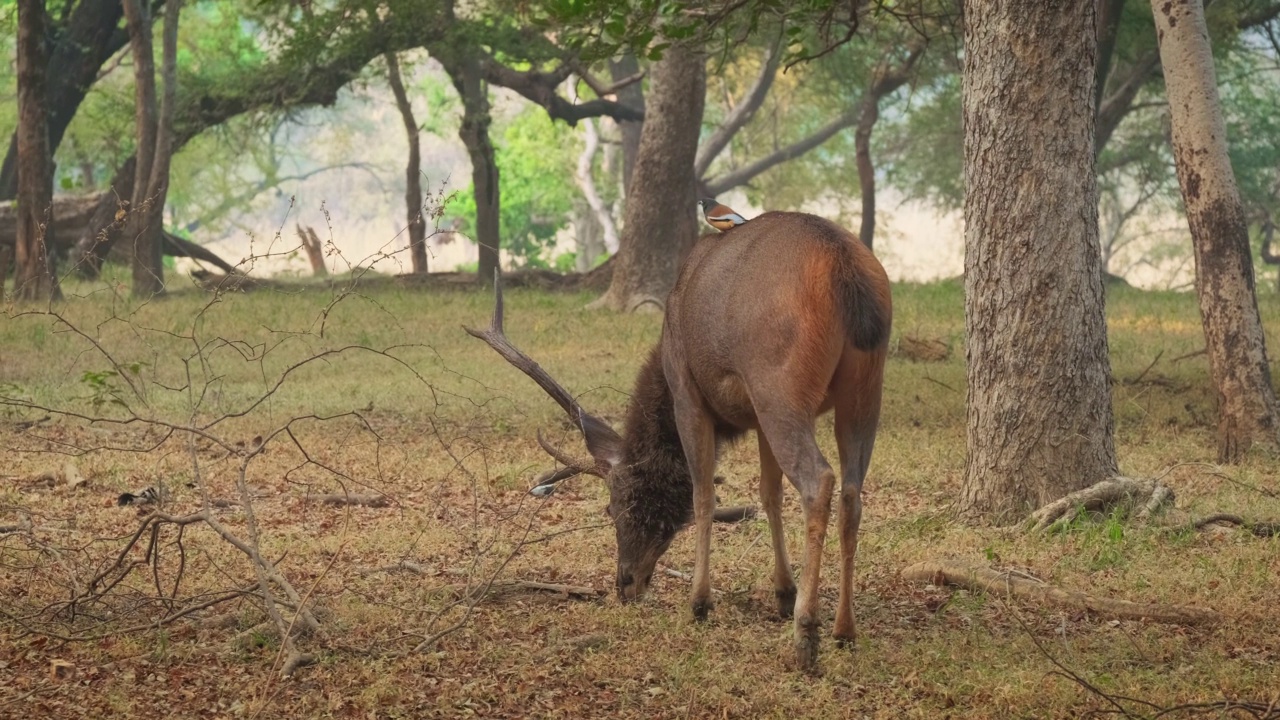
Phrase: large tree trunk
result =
(660, 224)
(463, 67)
(1247, 408)
(632, 96)
(1039, 403)
(87, 40)
(34, 278)
(413, 170)
(148, 272)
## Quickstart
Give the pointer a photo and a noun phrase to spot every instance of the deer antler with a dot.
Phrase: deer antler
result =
(605, 444)
(579, 466)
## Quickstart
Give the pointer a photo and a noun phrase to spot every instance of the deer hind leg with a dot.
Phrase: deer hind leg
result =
(697, 437)
(792, 440)
(784, 585)
(857, 415)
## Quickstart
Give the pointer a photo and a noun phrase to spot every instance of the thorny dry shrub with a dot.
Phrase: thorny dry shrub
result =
(200, 542)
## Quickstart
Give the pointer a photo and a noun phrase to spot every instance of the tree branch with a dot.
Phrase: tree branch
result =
(746, 173)
(743, 112)
(1115, 107)
(540, 87)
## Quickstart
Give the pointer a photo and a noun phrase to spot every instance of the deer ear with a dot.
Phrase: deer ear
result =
(603, 443)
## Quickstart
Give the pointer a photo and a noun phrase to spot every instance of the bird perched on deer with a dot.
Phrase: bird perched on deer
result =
(718, 216)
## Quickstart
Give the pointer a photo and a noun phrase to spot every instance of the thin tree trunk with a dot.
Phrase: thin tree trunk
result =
(631, 96)
(866, 170)
(147, 271)
(413, 170)
(1248, 413)
(34, 278)
(660, 224)
(1269, 256)
(603, 227)
(887, 79)
(463, 67)
(1039, 403)
(587, 235)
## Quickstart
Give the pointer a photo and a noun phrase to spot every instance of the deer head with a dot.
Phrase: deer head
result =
(650, 491)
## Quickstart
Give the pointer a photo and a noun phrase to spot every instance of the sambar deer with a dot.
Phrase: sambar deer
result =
(770, 325)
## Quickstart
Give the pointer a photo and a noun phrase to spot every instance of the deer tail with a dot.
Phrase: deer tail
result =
(863, 294)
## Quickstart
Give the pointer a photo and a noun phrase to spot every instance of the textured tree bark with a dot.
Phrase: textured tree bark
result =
(1039, 415)
(413, 170)
(87, 39)
(1247, 410)
(145, 249)
(33, 277)
(660, 224)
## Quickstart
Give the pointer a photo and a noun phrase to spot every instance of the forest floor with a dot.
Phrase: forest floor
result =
(384, 394)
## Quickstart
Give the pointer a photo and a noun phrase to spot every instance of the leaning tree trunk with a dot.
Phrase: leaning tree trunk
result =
(1247, 410)
(148, 272)
(34, 278)
(413, 170)
(660, 225)
(463, 67)
(1039, 403)
(886, 80)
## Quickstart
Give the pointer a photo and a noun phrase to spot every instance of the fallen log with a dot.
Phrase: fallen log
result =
(71, 214)
(968, 575)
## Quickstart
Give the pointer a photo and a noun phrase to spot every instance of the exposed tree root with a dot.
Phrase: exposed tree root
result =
(1149, 494)
(965, 574)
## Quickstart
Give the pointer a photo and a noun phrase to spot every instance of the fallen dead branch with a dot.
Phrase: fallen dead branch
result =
(1260, 529)
(1139, 709)
(509, 586)
(734, 514)
(409, 565)
(373, 501)
(961, 573)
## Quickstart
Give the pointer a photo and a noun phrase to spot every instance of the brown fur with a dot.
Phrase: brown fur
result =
(769, 325)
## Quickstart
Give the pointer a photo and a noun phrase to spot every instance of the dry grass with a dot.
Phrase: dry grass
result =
(446, 430)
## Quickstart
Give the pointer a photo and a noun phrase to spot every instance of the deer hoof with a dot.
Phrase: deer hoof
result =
(844, 634)
(786, 601)
(701, 608)
(807, 651)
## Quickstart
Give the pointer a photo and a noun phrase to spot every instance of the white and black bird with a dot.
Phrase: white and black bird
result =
(720, 216)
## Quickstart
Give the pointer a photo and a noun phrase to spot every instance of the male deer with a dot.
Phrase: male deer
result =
(770, 325)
